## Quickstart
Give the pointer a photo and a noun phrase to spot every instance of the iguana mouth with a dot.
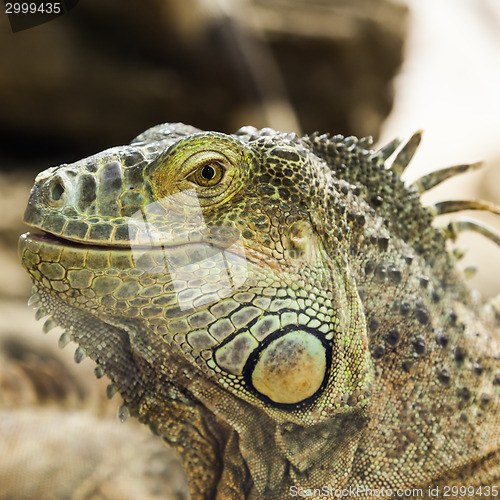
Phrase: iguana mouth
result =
(45, 237)
(52, 239)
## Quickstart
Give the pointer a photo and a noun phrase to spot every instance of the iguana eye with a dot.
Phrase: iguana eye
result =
(208, 174)
(214, 165)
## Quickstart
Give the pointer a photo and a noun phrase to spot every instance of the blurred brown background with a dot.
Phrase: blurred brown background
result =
(101, 74)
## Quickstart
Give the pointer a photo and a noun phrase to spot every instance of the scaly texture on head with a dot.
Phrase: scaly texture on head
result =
(278, 309)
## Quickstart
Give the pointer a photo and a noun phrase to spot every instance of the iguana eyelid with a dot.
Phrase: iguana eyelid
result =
(200, 159)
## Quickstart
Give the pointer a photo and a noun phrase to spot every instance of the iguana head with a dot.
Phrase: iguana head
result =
(217, 245)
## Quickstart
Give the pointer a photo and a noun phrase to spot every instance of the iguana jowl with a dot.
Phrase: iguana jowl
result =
(279, 309)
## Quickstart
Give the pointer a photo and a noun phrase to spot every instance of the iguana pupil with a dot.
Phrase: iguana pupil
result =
(208, 172)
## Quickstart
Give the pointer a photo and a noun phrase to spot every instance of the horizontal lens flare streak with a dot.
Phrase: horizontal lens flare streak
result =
(186, 260)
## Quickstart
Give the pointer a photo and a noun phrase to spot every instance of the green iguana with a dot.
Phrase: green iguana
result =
(278, 309)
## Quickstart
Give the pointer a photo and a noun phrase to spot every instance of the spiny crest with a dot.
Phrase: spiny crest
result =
(377, 169)
(433, 179)
(376, 185)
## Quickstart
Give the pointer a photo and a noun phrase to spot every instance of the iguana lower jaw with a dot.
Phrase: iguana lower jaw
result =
(108, 282)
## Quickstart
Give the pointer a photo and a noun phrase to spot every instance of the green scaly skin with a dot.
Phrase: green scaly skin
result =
(278, 309)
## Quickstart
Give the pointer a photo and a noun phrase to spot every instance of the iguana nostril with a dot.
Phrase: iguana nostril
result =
(56, 189)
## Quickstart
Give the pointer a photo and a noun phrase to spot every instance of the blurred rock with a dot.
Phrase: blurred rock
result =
(51, 454)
